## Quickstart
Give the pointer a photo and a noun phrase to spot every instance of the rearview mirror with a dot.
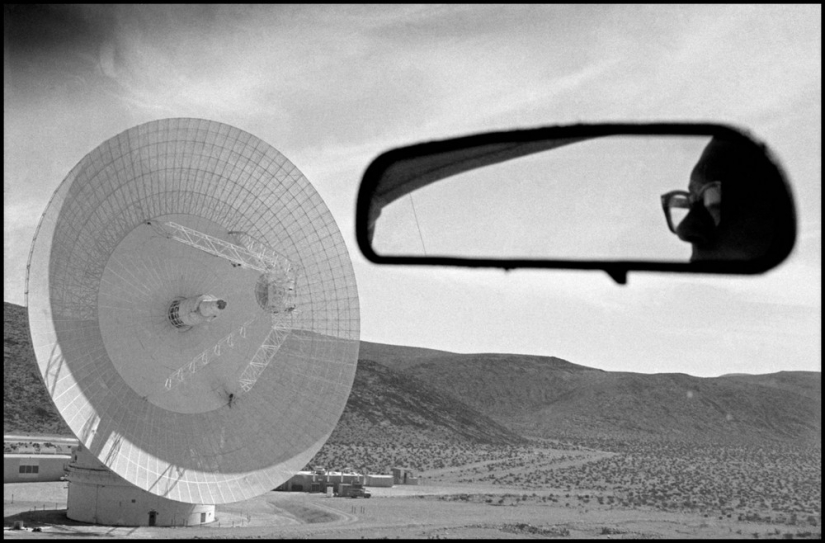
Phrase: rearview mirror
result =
(701, 198)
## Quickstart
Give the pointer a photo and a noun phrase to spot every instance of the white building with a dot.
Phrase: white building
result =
(99, 496)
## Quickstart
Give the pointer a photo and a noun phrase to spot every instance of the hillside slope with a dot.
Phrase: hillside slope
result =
(389, 407)
(27, 407)
(384, 406)
(546, 397)
(804, 383)
(409, 394)
(399, 357)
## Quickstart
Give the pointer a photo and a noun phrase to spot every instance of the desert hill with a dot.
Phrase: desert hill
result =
(549, 397)
(806, 383)
(27, 407)
(384, 405)
(415, 394)
(399, 357)
(539, 396)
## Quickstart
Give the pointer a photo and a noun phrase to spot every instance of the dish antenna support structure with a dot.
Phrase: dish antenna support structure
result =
(195, 319)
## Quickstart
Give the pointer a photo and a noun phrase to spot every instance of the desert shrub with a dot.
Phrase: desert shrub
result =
(522, 528)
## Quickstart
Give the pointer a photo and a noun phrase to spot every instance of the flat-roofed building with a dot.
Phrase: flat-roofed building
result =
(404, 476)
(319, 479)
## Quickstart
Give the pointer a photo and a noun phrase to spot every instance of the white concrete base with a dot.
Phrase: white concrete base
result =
(99, 496)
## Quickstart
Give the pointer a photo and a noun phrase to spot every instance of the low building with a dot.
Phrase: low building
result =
(380, 480)
(34, 468)
(29, 458)
(319, 479)
(404, 476)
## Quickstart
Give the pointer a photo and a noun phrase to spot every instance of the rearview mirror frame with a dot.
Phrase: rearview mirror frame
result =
(398, 172)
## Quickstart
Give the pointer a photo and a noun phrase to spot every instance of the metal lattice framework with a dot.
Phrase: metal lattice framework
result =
(254, 255)
(262, 259)
(178, 208)
(264, 354)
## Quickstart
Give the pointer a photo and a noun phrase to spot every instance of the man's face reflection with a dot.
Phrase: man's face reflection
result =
(729, 217)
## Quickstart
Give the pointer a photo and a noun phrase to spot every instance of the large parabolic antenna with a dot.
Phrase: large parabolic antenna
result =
(193, 310)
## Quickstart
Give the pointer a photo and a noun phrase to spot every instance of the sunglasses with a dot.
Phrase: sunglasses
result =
(678, 203)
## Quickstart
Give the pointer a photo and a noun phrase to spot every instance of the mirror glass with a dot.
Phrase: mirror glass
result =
(648, 198)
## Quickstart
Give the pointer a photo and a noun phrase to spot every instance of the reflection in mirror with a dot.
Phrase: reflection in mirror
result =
(597, 199)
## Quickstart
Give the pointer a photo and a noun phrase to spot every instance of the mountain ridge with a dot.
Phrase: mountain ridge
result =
(404, 393)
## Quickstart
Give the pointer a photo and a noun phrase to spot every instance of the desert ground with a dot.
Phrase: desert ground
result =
(488, 496)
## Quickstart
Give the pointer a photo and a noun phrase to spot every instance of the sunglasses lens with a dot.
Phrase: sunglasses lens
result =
(678, 208)
(712, 199)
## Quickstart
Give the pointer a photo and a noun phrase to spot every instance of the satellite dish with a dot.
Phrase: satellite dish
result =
(193, 311)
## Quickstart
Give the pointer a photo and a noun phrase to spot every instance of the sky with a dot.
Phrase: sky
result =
(331, 87)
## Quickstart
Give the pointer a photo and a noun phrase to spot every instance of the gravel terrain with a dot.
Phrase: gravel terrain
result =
(438, 511)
